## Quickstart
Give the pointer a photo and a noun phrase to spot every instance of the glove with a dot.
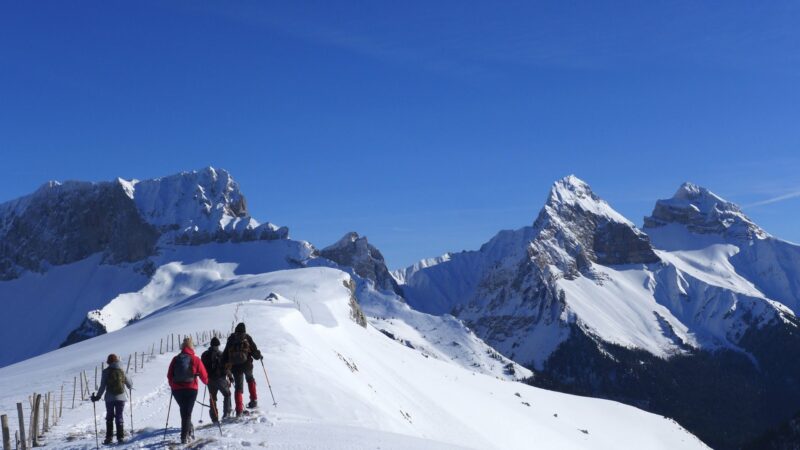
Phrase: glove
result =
(257, 354)
(95, 398)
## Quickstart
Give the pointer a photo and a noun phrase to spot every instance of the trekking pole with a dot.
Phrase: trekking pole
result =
(274, 403)
(130, 392)
(216, 413)
(94, 408)
(167, 424)
(205, 388)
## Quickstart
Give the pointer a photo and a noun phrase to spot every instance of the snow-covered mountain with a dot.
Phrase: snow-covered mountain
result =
(338, 384)
(701, 277)
(199, 236)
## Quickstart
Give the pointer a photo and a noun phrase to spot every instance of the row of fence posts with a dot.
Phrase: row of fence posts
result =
(46, 410)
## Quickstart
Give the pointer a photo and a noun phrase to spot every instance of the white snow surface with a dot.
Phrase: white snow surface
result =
(338, 385)
(122, 292)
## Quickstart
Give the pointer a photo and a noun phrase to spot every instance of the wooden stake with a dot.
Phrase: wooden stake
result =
(46, 415)
(161, 347)
(6, 433)
(74, 388)
(35, 426)
(135, 364)
(83, 397)
(22, 440)
(128, 367)
(95, 378)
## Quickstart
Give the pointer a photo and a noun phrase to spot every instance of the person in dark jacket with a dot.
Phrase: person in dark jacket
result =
(218, 380)
(184, 369)
(239, 353)
(113, 383)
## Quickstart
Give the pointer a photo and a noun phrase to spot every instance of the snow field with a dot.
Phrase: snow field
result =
(338, 385)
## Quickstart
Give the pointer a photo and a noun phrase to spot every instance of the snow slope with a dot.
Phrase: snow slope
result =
(338, 385)
(122, 292)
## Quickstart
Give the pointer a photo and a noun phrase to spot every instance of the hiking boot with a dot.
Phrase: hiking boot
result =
(252, 404)
(109, 432)
(120, 433)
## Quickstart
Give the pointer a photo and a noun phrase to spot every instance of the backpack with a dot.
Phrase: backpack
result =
(238, 349)
(116, 381)
(182, 370)
(213, 362)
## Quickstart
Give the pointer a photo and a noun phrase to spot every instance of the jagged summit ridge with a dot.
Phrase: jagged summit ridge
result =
(124, 220)
(199, 205)
(703, 212)
(367, 261)
(576, 227)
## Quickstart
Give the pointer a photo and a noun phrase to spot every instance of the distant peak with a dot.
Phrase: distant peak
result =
(704, 212)
(348, 238)
(689, 191)
(571, 193)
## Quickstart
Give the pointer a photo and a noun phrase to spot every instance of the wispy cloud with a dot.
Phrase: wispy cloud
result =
(779, 198)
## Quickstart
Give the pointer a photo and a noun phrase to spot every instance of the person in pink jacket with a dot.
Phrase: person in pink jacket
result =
(182, 374)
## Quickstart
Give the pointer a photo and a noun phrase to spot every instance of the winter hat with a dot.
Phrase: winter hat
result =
(112, 358)
(214, 342)
(240, 328)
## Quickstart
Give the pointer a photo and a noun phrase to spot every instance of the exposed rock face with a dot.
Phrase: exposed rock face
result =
(64, 223)
(356, 252)
(703, 212)
(91, 327)
(576, 228)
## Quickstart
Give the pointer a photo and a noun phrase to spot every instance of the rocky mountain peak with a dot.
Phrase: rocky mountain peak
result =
(703, 212)
(367, 261)
(576, 228)
(125, 220)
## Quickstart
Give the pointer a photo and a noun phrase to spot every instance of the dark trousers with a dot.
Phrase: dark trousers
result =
(114, 411)
(185, 399)
(241, 372)
(219, 385)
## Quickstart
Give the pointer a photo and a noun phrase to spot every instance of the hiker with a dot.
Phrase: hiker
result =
(239, 353)
(218, 380)
(182, 375)
(113, 382)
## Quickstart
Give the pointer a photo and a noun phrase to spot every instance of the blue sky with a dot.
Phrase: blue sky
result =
(427, 126)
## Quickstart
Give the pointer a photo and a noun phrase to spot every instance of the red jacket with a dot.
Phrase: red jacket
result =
(197, 367)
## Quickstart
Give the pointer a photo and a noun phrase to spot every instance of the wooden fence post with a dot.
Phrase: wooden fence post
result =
(143, 360)
(6, 433)
(135, 364)
(86, 383)
(46, 411)
(74, 388)
(128, 367)
(95, 378)
(61, 402)
(35, 424)
(22, 440)
(161, 347)
(83, 397)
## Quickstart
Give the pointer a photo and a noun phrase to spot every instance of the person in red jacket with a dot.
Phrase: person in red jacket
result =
(182, 374)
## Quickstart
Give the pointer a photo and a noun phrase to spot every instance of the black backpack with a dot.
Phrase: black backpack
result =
(238, 349)
(182, 370)
(213, 361)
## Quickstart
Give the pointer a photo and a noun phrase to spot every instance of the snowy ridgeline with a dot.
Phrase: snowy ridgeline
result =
(338, 384)
(700, 276)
